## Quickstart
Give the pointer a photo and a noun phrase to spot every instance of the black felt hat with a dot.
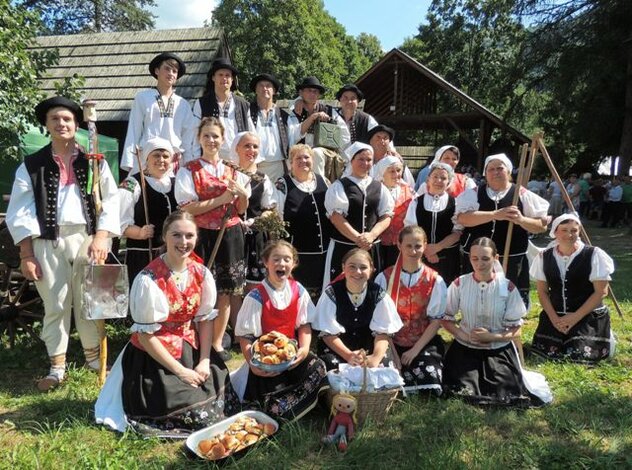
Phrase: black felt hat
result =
(222, 63)
(350, 87)
(160, 58)
(381, 128)
(267, 77)
(55, 102)
(311, 82)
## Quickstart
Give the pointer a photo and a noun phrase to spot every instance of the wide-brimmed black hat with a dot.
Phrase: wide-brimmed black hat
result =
(311, 82)
(160, 58)
(55, 102)
(222, 63)
(350, 87)
(381, 128)
(267, 77)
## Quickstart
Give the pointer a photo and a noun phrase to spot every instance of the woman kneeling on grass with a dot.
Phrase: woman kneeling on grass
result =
(419, 294)
(354, 313)
(482, 365)
(572, 280)
(168, 381)
(281, 304)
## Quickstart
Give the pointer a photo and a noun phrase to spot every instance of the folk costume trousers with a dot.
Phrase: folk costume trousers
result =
(60, 287)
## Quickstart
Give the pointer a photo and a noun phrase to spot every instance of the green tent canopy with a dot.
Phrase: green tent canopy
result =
(35, 139)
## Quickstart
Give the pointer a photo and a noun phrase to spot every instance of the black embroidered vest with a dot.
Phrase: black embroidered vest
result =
(359, 127)
(210, 108)
(497, 230)
(362, 214)
(159, 205)
(437, 225)
(577, 287)
(356, 320)
(281, 116)
(44, 173)
(310, 228)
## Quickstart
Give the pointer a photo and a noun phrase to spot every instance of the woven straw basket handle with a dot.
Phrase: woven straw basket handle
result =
(365, 371)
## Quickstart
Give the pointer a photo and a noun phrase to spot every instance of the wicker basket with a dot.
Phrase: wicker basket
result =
(374, 404)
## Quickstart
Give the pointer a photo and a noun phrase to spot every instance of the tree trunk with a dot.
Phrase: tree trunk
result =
(98, 12)
(625, 149)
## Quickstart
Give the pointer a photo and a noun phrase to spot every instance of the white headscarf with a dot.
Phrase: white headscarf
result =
(503, 158)
(234, 157)
(439, 153)
(563, 218)
(155, 143)
(442, 166)
(381, 166)
(356, 148)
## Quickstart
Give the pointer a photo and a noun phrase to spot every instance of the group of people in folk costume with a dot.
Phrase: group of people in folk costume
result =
(369, 264)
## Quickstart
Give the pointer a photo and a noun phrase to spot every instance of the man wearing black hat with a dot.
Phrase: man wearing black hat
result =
(381, 139)
(219, 101)
(271, 124)
(358, 122)
(159, 112)
(307, 112)
(53, 218)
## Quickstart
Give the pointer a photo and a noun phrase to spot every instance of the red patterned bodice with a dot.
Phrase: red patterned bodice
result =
(273, 319)
(182, 306)
(207, 187)
(412, 303)
(389, 236)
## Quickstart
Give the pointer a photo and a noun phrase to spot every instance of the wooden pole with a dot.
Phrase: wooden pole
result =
(567, 199)
(143, 192)
(514, 202)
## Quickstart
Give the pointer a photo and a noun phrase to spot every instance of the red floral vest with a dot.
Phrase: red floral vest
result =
(182, 306)
(458, 185)
(411, 307)
(273, 319)
(207, 187)
(389, 236)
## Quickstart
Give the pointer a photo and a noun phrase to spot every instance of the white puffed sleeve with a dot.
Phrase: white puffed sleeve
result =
(467, 201)
(323, 318)
(438, 300)
(533, 205)
(148, 305)
(249, 317)
(536, 271)
(207, 310)
(453, 304)
(184, 188)
(336, 199)
(601, 266)
(385, 318)
(387, 203)
(280, 193)
(267, 198)
(109, 218)
(411, 213)
(515, 309)
(129, 194)
(21, 215)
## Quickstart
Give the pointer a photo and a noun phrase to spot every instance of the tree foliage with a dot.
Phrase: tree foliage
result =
(20, 68)
(84, 16)
(292, 39)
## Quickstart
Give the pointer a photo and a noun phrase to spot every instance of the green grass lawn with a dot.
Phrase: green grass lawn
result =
(589, 425)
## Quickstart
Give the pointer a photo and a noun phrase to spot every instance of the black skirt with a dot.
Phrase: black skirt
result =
(425, 372)
(229, 267)
(486, 376)
(291, 394)
(310, 272)
(449, 265)
(157, 403)
(255, 242)
(587, 342)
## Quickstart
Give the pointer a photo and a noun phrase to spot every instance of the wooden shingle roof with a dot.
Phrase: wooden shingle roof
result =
(115, 65)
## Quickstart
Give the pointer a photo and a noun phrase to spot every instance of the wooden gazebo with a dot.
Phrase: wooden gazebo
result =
(406, 95)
